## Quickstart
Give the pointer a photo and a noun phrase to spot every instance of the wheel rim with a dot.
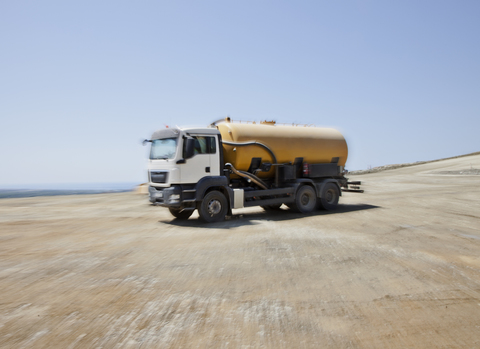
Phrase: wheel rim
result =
(305, 199)
(214, 207)
(330, 196)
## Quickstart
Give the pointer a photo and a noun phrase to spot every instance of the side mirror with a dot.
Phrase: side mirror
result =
(189, 147)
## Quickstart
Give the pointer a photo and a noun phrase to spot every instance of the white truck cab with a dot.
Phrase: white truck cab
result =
(180, 158)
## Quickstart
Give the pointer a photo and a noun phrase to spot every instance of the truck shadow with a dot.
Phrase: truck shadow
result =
(245, 219)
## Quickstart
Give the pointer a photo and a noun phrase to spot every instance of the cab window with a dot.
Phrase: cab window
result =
(204, 145)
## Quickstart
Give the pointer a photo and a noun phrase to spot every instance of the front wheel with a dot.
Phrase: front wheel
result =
(213, 207)
(329, 198)
(180, 213)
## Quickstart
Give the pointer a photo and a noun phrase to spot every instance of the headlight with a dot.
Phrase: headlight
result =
(175, 197)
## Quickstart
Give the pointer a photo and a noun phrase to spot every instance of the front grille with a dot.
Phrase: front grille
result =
(159, 176)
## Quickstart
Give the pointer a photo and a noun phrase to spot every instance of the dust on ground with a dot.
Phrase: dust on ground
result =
(397, 267)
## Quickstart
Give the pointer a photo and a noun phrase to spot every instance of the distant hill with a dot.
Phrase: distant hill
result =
(395, 166)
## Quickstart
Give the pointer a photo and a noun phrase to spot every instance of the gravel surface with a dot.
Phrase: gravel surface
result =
(395, 267)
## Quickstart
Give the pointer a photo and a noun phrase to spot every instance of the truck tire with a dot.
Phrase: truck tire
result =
(180, 213)
(305, 200)
(329, 198)
(213, 207)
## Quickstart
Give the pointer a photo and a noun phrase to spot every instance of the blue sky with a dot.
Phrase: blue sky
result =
(81, 83)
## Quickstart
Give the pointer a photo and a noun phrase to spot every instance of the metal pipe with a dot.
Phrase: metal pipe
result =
(247, 175)
(274, 158)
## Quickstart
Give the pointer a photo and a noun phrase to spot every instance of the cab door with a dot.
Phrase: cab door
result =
(214, 156)
(205, 161)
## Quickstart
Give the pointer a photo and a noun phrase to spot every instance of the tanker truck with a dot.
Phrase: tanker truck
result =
(231, 165)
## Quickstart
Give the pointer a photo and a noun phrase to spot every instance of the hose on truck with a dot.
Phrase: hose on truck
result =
(274, 158)
(247, 175)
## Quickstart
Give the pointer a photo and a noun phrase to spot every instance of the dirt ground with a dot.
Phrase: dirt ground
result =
(395, 267)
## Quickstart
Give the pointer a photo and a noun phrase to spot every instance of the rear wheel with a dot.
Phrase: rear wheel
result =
(305, 200)
(329, 197)
(180, 213)
(213, 207)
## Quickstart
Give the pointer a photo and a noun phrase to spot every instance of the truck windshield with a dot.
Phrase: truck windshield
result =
(163, 148)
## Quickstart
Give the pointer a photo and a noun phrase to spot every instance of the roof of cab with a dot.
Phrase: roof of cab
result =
(204, 130)
(175, 132)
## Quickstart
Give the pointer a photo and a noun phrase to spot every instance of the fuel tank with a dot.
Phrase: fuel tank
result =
(314, 144)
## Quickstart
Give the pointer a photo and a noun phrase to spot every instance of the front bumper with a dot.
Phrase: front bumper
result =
(169, 197)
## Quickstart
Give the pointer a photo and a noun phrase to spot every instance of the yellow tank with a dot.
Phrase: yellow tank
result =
(313, 144)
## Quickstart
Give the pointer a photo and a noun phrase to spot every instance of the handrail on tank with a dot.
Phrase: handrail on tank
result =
(293, 124)
(264, 122)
